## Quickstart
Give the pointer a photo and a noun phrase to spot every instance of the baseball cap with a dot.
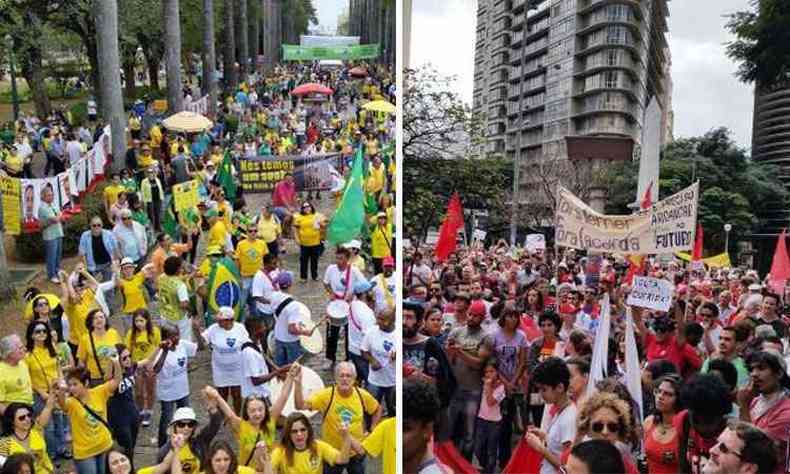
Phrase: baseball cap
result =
(477, 307)
(381, 214)
(388, 262)
(354, 244)
(184, 414)
(127, 261)
(225, 312)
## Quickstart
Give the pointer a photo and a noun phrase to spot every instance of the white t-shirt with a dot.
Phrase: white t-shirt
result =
(74, 150)
(559, 429)
(289, 315)
(381, 294)
(360, 321)
(262, 287)
(380, 344)
(336, 279)
(253, 365)
(91, 107)
(226, 353)
(420, 274)
(172, 382)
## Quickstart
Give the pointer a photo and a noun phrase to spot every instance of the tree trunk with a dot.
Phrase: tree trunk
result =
(152, 64)
(130, 91)
(107, 35)
(33, 73)
(229, 53)
(209, 57)
(242, 38)
(93, 60)
(175, 96)
(254, 30)
(268, 35)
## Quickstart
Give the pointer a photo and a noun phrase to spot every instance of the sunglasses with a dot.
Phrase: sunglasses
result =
(726, 450)
(598, 427)
(126, 218)
(42, 303)
(24, 417)
(95, 225)
(39, 331)
(186, 424)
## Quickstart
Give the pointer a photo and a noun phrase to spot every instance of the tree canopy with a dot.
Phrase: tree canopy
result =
(762, 45)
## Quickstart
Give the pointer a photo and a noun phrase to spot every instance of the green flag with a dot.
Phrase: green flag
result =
(169, 222)
(225, 177)
(349, 218)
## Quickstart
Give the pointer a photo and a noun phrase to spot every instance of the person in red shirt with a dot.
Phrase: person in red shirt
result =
(707, 402)
(668, 340)
(284, 200)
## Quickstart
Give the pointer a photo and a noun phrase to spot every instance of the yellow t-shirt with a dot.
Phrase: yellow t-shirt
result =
(145, 161)
(105, 349)
(77, 313)
(15, 384)
(348, 409)
(156, 136)
(189, 462)
(269, 229)
(37, 448)
(89, 435)
(143, 345)
(227, 215)
(250, 255)
(309, 235)
(359, 262)
(111, 193)
(304, 462)
(133, 293)
(381, 442)
(248, 435)
(43, 368)
(217, 235)
(376, 179)
(380, 240)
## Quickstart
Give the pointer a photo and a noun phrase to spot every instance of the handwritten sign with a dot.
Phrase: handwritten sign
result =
(479, 235)
(668, 226)
(12, 210)
(651, 293)
(535, 242)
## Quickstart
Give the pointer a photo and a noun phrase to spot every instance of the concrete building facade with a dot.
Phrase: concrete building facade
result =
(551, 72)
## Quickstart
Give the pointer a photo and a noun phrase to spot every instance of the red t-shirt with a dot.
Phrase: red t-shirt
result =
(684, 357)
(284, 194)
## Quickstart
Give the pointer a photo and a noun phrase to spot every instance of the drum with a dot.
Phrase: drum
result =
(311, 383)
(312, 344)
(270, 342)
(338, 311)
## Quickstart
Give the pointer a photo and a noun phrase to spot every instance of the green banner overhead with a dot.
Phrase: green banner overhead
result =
(346, 53)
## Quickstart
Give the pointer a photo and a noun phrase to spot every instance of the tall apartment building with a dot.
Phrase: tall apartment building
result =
(555, 78)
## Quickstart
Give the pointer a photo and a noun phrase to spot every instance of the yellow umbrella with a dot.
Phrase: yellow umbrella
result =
(380, 106)
(187, 122)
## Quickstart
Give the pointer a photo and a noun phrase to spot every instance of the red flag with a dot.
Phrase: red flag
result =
(647, 199)
(448, 456)
(636, 267)
(524, 460)
(780, 267)
(697, 252)
(453, 221)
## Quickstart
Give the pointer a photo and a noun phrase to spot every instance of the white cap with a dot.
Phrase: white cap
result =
(755, 287)
(225, 312)
(184, 414)
(354, 244)
(127, 261)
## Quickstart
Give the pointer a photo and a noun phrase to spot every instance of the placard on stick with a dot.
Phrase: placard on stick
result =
(651, 293)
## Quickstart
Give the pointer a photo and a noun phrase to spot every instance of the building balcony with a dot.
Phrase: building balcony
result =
(603, 42)
(514, 92)
(587, 6)
(603, 107)
(516, 39)
(517, 6)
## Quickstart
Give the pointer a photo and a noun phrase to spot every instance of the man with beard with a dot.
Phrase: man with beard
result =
(765, 402)
(385, 286)
(728, 350)
(423, 358)
(742, 449)
(420, 406)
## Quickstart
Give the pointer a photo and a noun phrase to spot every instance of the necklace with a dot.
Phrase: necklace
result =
(22, 439)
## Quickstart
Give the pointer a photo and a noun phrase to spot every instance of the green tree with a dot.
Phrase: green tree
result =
(762, 46)
(733, 188)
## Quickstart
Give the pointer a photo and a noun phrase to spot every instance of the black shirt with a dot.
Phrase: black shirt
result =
(100, 254)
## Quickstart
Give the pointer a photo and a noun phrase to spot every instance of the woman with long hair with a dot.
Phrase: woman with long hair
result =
(221, 459)
(19, 463)
(97, 347)
(24, 434)
(48, 308)
(308, 228)
(661, 433)
(607, 417)
(543, 348)
(533, 308)
(300, 452)
(123, 414)
(42, 362)
(258, 421)
(142, 340)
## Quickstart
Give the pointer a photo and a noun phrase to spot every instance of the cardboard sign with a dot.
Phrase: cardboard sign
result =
(535, 242)
(186, 195)
(479, 235)
(651, 293)
(432, 237)
(669, 226)
(12, 199)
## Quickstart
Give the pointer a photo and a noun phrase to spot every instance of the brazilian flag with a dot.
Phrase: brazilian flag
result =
(224, 288)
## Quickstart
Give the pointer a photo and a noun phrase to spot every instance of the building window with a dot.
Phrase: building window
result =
(610, 79)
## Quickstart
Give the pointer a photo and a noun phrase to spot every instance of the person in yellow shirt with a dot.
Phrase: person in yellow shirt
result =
(308, 227)
(142, 340)
(135, 126)
(132, 290)
(376, 177)
(87, 411)
(146, 159)
(41, 359)
(97, 348)
(111, 193)
(27, 433)
(381, 442)
(218, 234)
(344, 407)
(249, 257)
(80, 299)
(356, 259)
(380, 241)
(15, 382)
(225, 209)
(269, 229)
(300, 452)
(155, 134)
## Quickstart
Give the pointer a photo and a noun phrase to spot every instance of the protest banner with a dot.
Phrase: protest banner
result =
(668, 226)
(292, 52)
(12, 199)
(479, 235)
(186, 195)
(651, 293)
(717, 261)
(592, 271)
(535, 242)
(311, 173)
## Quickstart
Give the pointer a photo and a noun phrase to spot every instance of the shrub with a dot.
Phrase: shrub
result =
(30, 247)
(79, 113)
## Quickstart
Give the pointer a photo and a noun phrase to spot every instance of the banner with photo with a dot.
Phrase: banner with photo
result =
(199, 106)
(292, 52)
(311, 173)
(669, 226)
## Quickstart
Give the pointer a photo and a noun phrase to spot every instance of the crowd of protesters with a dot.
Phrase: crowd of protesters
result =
(108, 352)
(498, 347)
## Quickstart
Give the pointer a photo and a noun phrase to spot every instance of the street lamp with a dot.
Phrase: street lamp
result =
(727, 229)
(9, 41)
